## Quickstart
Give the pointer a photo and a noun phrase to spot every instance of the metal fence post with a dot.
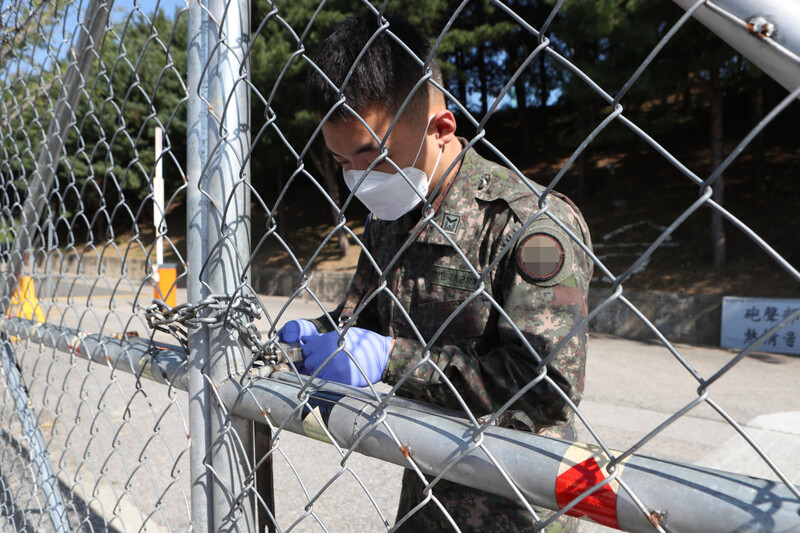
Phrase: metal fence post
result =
(81, 59)
(197, 205)
(757, 29)
(91, 34)
(218, 237)
(43, 467)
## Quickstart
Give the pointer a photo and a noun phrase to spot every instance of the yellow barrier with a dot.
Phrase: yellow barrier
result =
(26, 305)
(165, 289)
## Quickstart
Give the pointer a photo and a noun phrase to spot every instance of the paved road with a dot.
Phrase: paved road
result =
(631, 388)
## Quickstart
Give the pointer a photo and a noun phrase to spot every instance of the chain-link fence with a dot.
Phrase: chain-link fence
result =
(460, 347)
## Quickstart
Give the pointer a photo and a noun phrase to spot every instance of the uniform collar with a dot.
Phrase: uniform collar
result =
(455, 202)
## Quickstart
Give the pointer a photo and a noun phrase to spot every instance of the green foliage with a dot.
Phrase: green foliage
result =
(278, 68)
(28, 86)
(139, 83)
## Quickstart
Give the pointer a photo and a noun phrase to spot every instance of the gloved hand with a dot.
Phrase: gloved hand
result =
(294, 330)
(370, 349)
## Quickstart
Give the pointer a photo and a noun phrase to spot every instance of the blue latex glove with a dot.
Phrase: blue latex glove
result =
(294, 330)
(370, 349)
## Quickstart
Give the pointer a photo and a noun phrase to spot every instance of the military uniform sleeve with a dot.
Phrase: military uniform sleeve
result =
(544, 298)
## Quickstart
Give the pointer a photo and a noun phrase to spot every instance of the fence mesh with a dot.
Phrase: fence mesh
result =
(120, 413)
(87, 443)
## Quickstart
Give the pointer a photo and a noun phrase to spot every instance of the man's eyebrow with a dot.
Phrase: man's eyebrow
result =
(366, 147)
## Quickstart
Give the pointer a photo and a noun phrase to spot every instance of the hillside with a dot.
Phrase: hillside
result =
(631, 194)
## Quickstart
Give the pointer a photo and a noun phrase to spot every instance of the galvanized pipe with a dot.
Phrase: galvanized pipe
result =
(90, 38)
(160, 362)
(764, 31)
(226, 182)
(42, 466)
(678, 497)
(197, 207)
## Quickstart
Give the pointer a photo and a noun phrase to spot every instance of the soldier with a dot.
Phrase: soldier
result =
(472, 285)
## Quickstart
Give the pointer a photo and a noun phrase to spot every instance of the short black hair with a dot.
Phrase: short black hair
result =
(385, 74)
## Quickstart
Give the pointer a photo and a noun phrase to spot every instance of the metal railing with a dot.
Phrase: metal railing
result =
(123, 414)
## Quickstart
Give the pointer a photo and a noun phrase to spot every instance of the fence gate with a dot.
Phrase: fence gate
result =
(143, 383)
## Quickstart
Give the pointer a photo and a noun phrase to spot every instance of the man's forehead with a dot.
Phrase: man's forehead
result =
(369, 146)
(354, 137)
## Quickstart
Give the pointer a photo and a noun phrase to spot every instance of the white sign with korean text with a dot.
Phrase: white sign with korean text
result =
(746, 319)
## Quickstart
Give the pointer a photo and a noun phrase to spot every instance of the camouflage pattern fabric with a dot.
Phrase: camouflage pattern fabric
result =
(489, 334)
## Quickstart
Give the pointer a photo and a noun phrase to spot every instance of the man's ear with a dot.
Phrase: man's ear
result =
(444, 123)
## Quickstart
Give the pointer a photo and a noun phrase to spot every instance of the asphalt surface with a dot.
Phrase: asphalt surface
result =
(124, 446)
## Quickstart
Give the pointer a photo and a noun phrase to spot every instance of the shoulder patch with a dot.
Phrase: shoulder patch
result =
(502, 183)
(540, 257)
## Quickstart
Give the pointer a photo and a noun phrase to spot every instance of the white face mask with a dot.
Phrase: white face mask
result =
(388, 195)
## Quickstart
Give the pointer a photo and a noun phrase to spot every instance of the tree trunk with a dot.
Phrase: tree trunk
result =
(483, 75)
(583, 159)
(462, 82)
(581, 162)
(329, 176)
(718, 243)
(544, 96)
(758, 142)
(522, 107)
(280, 184)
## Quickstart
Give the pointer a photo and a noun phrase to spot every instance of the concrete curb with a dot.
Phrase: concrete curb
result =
(328, 287)
(684, 318)
(91, 264)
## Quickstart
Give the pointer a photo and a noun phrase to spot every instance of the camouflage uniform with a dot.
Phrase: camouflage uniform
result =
(486, 210)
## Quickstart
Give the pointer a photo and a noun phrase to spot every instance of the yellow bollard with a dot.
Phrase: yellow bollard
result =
(166, 289)
(26, 305)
